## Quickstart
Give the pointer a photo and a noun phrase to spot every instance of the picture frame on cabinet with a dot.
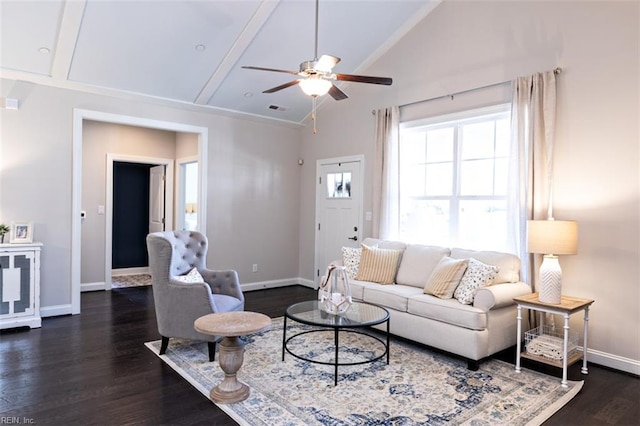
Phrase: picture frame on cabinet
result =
(21, 232)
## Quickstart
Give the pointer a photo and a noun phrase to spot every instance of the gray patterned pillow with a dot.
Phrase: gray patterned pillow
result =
(477, 275)
(351, 261)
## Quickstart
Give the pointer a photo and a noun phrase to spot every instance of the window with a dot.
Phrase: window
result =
(453, 180)
(339, 185)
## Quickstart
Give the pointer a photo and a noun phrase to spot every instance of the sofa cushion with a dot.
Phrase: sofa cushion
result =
(390, 296)
(378, 265)
(509, 264)
(446, 277)
(478, 274)
(447, 310)
(357, 288)
(351, 260)
(418, 263)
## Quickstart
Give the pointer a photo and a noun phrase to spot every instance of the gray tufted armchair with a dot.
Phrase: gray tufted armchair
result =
(179, 304)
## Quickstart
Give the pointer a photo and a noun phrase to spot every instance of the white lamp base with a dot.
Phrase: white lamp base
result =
(550, 280)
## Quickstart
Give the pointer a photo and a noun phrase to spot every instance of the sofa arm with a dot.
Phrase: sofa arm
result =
(499, 295)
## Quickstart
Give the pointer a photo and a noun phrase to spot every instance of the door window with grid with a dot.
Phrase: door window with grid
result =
(454, 180)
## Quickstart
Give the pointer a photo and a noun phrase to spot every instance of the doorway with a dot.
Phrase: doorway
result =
(81, 115)
(187, 194)
(130, 212)
(338, 209)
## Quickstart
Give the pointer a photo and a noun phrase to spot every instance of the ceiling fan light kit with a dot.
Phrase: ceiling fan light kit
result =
(317, 77)
(315, 86)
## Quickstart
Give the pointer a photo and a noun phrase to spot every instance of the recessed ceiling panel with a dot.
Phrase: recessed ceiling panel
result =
(351, 30)
(29, 35)
(161, 48)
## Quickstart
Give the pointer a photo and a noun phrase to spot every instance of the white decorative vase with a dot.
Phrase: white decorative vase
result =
(550, 280)
(334, 294)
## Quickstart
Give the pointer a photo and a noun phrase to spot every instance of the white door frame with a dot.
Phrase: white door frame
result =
(108, 229)
(359, 198)
(79, 115)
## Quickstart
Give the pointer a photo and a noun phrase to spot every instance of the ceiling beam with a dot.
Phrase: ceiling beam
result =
(67, 38)
(262, 14)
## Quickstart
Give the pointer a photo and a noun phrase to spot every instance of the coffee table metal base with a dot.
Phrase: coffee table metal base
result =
(336, 342)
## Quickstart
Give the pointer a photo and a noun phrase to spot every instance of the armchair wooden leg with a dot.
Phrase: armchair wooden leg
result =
(212, 351)
(163, 345)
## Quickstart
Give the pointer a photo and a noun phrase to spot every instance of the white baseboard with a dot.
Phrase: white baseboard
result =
(262, 285)
(92, 286)
(613, 361)
(130, 271)
(55, 311)
(307, 283)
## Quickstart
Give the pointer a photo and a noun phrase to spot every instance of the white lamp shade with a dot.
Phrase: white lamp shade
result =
(552, 236)
(315, 86)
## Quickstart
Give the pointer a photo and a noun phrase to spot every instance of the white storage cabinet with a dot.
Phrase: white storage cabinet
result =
(20, 285)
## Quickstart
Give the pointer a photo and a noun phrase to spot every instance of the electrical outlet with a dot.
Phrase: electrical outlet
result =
(255, 267)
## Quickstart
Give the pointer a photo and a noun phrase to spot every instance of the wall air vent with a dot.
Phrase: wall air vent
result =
(278, 108)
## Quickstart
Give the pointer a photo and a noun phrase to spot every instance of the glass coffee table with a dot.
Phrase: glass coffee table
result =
(360, 316)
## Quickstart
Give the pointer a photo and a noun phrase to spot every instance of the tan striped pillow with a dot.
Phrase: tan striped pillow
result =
(378, 265)
(445, 278)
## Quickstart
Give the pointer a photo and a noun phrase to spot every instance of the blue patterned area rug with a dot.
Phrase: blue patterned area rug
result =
(417, 387)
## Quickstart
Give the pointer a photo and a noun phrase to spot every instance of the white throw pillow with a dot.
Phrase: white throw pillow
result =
(351, 261)
(477, 275)
(192, 277)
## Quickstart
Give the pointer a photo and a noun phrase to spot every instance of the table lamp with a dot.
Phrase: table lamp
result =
(551, 238)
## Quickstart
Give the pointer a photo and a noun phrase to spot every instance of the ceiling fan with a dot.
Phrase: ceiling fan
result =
(316, 78)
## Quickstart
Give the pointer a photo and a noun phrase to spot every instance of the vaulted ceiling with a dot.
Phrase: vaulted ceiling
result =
(191, 52)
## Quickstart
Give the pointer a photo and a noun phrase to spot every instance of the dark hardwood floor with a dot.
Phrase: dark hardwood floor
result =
(93, 369)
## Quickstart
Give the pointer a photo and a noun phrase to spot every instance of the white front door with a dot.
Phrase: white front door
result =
(156, 198)
(338, 209)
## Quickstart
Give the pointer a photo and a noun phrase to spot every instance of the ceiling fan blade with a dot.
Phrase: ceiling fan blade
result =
(269, 69)
(336, 93)
(282, 86)
(364, 79)
(326, 62)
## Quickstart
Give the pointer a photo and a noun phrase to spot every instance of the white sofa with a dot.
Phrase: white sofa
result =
(473, 331)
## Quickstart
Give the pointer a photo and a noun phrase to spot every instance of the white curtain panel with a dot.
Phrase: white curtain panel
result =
(533, 115)
(386, 170)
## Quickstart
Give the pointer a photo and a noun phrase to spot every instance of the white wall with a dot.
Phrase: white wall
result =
(253, 183)
(467, 44)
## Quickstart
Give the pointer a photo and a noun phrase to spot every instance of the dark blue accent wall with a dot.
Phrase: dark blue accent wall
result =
(130, 215)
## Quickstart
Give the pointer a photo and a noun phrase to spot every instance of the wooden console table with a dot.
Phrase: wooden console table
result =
(568, 305)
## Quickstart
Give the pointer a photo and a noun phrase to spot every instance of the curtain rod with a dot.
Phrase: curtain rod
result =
(556, 71)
